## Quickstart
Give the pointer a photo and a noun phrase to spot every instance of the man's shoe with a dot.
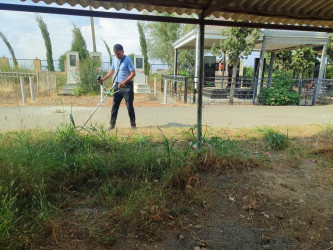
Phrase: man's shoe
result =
(110, 128)
(133, 126)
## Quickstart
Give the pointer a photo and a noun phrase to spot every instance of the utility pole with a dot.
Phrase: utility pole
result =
(92, 30)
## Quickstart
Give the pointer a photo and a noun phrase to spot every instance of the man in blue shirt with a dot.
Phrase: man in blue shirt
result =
(123, 66)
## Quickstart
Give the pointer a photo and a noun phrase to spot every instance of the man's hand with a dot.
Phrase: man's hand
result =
(121, 84)
(100, 80)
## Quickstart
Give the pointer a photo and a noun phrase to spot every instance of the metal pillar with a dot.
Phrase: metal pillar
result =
(196, 69)
(200, 83)
(261, 65)
(321, 73)
(271, 64)
(175, 71)
(93, 30)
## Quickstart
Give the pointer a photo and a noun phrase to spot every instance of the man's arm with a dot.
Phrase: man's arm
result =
(107, 76)
(129, 78)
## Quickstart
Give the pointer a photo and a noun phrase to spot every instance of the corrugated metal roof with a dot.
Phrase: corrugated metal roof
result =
(294, 12)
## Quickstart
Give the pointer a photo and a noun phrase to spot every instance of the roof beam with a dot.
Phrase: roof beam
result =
(309, 6)
(215, 6)
(273, 14)
(139, 17)
(178, 4)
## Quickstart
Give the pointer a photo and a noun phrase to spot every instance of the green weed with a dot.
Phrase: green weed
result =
(275, 140)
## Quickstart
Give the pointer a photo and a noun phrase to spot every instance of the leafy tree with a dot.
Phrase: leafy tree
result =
(79, 43)
(62, 60)
(283, 60)
(248, 71)
(239, 44)
(143, 44)
(108, 50)
(160, 37)
(46, 36)
(10, 48)
(303, 59)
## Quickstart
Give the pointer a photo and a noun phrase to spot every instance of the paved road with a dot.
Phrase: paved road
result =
(14, 118)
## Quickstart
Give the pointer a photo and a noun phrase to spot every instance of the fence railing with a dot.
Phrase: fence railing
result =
(19, 85)
(244, 89)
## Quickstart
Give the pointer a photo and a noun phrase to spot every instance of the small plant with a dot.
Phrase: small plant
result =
(274, 139)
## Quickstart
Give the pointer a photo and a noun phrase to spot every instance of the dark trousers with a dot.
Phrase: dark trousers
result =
(128, 95)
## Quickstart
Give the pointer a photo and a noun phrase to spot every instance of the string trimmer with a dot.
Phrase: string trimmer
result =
(107, 93)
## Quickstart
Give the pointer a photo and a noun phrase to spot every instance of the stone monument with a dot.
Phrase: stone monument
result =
(140, 85)
(72, 72)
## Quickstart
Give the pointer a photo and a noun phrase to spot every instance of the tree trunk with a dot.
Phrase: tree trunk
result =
(233, 83)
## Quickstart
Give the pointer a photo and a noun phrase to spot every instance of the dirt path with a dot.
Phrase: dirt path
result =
(49, 117)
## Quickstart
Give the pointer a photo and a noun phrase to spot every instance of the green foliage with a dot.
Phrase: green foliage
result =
(10, 48)
(329, 72)
(46, 36)
(275, 140)
(161, 36)
(283, 60)
(248, 71)
(89, 71)
(62, 60)
(79, 43)
(303, 59)
(281, 93)
(108, 50)
(238, 44)
(143, 45)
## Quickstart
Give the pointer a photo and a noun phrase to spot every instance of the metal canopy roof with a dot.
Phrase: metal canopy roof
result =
(316, 13)
(276, 39)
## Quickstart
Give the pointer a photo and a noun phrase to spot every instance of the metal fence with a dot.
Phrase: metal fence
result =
(19, 86)
(219, 89)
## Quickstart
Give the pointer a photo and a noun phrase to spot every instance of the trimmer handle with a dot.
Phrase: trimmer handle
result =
(98, 79)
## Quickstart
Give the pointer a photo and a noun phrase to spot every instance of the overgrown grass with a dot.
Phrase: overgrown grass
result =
(136, 183)
(275, 140)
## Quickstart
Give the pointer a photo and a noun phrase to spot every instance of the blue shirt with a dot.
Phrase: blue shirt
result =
(125, 68)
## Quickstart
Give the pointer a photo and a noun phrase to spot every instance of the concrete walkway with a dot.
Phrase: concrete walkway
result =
(15, 118)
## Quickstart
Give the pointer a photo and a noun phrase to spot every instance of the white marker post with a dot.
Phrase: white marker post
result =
(165, 91)
(155, 86)
(32, 88)
(24, 98)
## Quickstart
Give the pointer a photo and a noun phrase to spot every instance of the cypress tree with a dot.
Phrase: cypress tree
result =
(46, 36)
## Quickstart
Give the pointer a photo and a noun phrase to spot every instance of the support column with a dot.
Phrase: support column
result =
(200, 83)
(196, 61)
(271, 64)
(175, 71)
(321, 73)
(261, 65)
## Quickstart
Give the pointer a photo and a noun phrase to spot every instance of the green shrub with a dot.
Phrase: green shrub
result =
(89, 71)
(281, 93)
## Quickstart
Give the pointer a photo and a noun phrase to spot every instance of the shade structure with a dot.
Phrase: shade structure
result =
(318, 13)
(310, 15)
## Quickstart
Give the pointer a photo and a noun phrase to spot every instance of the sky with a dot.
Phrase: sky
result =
(23, 33)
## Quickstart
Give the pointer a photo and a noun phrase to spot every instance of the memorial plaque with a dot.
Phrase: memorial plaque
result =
(139, 63)
(72, 60)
